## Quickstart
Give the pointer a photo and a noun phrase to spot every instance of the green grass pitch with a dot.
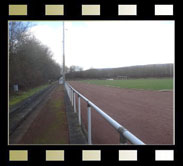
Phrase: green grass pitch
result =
(146, 84)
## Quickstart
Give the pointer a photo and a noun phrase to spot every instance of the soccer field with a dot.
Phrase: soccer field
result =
(147, 84)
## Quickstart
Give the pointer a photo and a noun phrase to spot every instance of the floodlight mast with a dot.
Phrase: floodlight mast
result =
(63, 55)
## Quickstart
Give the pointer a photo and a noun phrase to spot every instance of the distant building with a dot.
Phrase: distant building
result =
(122, 77)
(15, 87)
(61, 80)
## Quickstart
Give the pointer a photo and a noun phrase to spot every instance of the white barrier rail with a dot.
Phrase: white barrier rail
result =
(125, 135)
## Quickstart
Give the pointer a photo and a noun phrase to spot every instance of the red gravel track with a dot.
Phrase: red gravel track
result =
(147, 114)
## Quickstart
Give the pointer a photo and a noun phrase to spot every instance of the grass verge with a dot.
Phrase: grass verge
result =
(20, 96)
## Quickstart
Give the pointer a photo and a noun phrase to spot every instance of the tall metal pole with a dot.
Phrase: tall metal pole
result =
(63, 55)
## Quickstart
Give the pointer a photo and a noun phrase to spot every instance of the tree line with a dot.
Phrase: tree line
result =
(141, 71)
(30, 62)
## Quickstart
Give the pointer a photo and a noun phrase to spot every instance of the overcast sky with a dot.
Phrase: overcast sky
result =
(108, 44)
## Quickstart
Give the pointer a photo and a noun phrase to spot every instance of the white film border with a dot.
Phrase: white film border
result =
(91, 155)
(91, 10)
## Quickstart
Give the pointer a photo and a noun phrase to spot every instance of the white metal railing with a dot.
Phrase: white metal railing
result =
(125, 135)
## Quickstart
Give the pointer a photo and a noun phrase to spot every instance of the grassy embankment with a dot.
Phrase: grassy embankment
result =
(146, 84)
(20, 96)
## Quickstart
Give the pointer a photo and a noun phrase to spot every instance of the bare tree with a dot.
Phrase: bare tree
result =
(30, 62)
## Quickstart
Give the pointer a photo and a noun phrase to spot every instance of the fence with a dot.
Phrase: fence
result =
(125, 135)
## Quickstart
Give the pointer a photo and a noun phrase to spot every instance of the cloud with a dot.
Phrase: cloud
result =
(52, 37)
(100, 44)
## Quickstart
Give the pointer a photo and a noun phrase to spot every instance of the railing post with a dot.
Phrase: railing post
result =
(79, 111)
(123, 140)
(74, 102)
(72, 96)
(68, 91)
(89, 125)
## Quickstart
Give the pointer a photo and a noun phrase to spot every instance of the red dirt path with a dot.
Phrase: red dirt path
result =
(147, 114)
(50, 126)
